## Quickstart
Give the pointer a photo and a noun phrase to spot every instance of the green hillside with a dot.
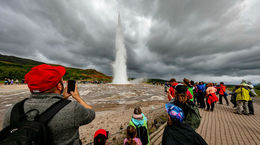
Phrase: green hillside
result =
(15, 68)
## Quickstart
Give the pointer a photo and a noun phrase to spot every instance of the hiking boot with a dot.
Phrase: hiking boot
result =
(238, 113)
(246, 114)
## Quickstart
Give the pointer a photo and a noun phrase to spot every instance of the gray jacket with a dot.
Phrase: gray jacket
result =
(64, 126)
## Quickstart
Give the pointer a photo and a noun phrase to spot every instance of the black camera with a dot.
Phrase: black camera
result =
(71, 86)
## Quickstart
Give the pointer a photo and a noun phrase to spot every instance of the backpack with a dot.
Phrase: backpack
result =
(142, 134)
(193, 116)
(225, 94)
(24, 132)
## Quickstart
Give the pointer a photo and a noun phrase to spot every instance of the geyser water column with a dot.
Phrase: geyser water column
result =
(119, 66)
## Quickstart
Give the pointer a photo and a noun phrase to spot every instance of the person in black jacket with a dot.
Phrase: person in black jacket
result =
(178, 133)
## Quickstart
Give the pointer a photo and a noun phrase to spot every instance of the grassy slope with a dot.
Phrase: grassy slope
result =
(258, 93)
(16, 68)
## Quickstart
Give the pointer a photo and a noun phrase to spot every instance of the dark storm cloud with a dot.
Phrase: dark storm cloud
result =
(200, 39)
(58, 30)
(205, 37)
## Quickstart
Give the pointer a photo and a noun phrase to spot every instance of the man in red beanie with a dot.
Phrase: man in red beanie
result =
(46, 86)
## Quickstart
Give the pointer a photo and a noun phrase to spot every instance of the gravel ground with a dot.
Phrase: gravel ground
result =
(113, 105)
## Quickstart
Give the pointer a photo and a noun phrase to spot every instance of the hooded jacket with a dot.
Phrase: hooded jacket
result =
(242, 94)
(181, 134)
(138, 123)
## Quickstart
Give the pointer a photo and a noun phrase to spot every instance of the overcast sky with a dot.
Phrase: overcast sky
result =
(210, 40)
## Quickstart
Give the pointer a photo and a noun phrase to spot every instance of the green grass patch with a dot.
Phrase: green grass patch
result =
(258, 93)
(15, 68)
(230, 87)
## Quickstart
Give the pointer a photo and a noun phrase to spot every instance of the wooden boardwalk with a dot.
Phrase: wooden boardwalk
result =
(223, 127)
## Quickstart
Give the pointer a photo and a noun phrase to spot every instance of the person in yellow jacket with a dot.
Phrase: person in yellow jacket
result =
(242, 99)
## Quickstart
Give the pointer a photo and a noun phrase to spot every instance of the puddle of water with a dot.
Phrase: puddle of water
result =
(7, 105)
(157, 98)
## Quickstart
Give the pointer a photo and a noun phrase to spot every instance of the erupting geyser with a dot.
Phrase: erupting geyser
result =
(119, 66)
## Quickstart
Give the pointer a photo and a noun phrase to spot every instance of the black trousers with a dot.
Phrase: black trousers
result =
(201, 101)
(211, 106)
(194, 97)
(220, 99)
(251, 107)
(233, 100)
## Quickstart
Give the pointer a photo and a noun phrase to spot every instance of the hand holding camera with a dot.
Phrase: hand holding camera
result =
(72, 89)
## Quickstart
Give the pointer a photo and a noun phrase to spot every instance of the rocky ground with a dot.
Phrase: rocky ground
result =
(113, 104)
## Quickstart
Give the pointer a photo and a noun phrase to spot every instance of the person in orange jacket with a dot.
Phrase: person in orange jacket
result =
(222, 93)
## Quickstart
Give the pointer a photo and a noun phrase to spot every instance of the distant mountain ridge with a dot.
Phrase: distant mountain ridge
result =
(15, 68)
(14, 59)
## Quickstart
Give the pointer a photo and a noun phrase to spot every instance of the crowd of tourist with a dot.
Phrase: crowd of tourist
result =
(9, 81)
(183, 114)
(92, 82)
(50, 118)
(205, 95)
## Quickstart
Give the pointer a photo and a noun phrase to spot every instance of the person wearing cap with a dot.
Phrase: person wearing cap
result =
(139, 122)
(46, 86)
(252, 94)
(242, 99)
(191, 111)
(100, 137)
(178, 133)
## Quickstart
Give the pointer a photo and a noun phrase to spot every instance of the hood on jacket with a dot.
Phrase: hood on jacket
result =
(138, 122)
